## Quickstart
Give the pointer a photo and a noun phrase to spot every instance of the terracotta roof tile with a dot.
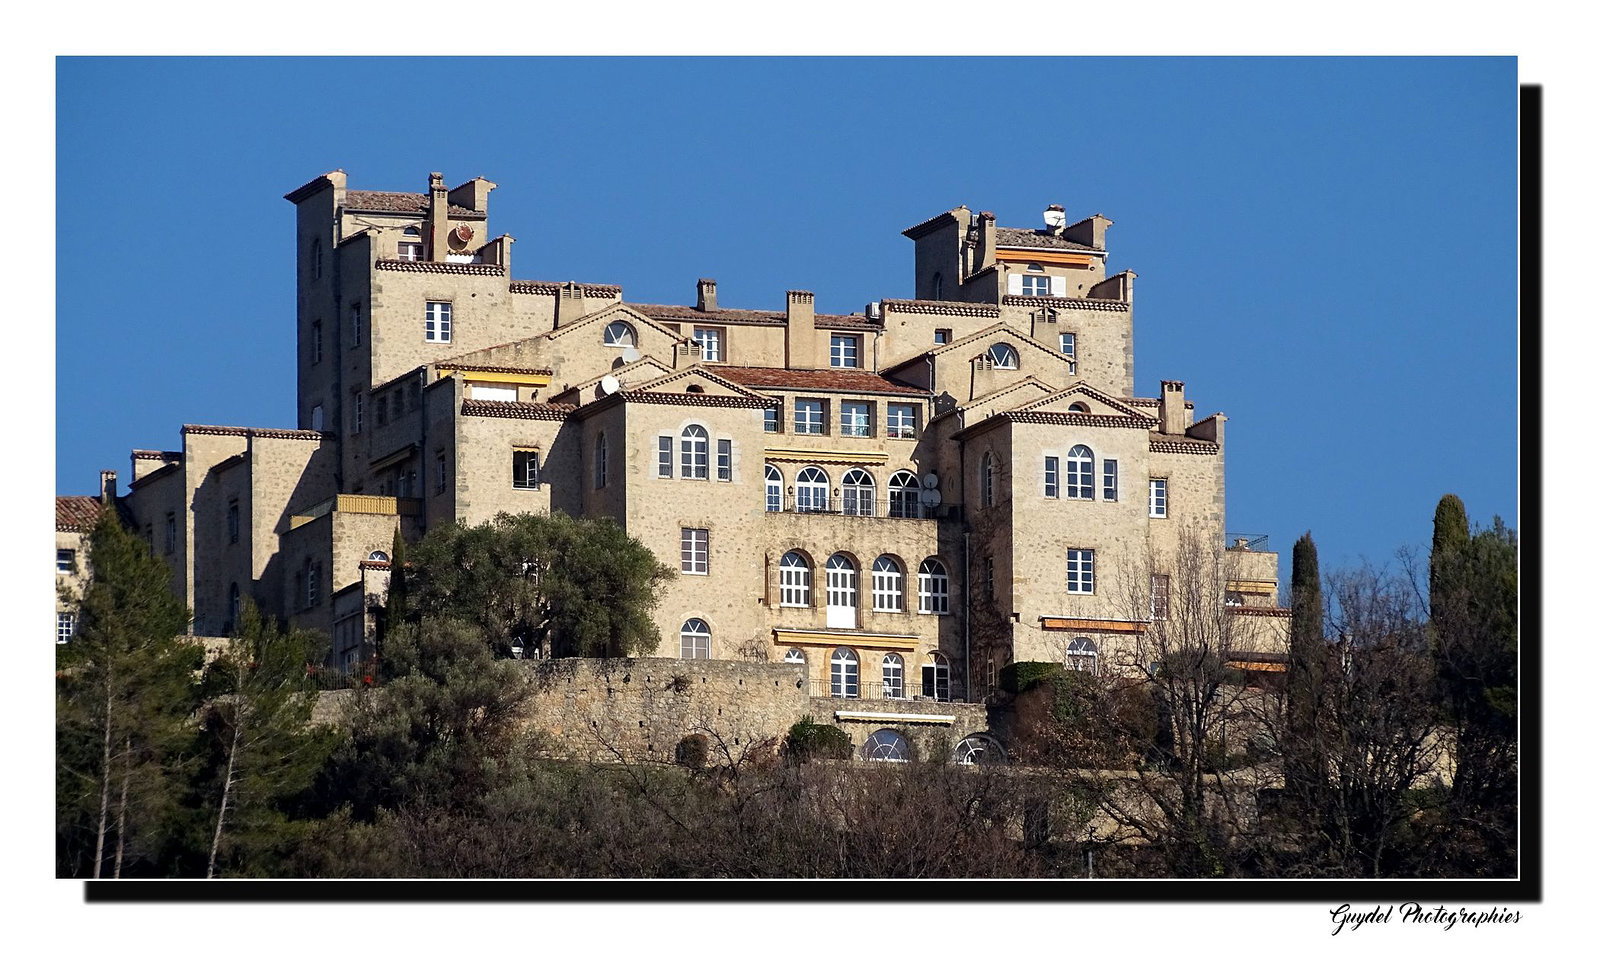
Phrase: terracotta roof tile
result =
(436, 267)
(516, 409)
(397, 202)
(77, 512)
(273, 432)
(948, 308)
(551, 288)
(1065, 303)
(1023, 237)
(748, 318)
(841, 381)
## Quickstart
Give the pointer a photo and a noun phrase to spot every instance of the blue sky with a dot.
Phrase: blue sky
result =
(1326, 248)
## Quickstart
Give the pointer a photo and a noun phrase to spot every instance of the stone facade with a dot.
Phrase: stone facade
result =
(897, 501)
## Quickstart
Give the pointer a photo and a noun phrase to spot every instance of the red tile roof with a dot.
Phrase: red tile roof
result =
(77, 512)
(1023, 237)
(841, 381)
(518, 410)
(761, 318)
(397, 202)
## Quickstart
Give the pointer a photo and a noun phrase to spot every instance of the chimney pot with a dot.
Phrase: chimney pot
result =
(705, 294)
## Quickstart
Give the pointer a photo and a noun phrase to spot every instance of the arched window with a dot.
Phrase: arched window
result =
(1082, 656)
(1003, 356)
(886, 745)
(888, 593)
(905, 495)
(1080, 473)
(845, 674)
(794, 656)
(894, 676)
(986, 479)
(933, 588)
(378, 556)
(979, 749)
(1035, 283)
(600, 461)
(774, 489)
(811, 491)
(858, 491)
(938, 286)
(694, 640)
(693, 450)
(619, 334)
(1078, 407)
(936, 676)
(841, 591)
(794, 580)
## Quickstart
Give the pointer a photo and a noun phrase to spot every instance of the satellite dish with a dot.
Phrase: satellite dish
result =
(609, 385)
(630, 354)
(930, 497)
(464, 233)
(930, 480)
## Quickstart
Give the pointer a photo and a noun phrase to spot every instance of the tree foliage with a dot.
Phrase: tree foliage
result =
(570, 587)
(1305, 762)
(125, 694)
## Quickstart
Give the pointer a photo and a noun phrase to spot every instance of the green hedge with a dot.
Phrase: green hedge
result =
(1021, 675)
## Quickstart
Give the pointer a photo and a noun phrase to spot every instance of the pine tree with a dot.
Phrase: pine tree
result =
(257, 729)
(125, 694)
(1304, 755)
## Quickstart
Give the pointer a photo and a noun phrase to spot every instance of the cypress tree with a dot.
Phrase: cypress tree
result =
(394, 609)
(1304, 758)
(1451, 539)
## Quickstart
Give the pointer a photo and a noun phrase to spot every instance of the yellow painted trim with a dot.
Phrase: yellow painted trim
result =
(1253, 587)
(486, 377)
(896, 642)
(1029, 255)
(827, 456)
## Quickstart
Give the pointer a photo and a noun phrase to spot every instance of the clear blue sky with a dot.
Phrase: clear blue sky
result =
(1326, 248)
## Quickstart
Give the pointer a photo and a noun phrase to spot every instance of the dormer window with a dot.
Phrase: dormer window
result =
(411, 244)
(710, 341)
(1035, 283)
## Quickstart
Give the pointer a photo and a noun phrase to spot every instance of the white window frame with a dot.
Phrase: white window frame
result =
(1003, 356)
(694, 548)
(1069, 344)
(664, 456)
(936, 676)
(1080, 474)
(894, 676)
(888, 585)
(524, 470)
(694, 453)
(843, 586)
(905, 495)
(66, 626)
(810, 492)
(1158, 497)
(844, 351)
(857, 492)
(437, 327)
(902, 422)
(886, 746)
(619, 333)
(66, 560)
(774, 478)
(794, 580)
(1052, 477)
(1080, 570)
(810, 416)
(933, 587)
(1109, 480)
(855, 418)
(694, 640)
(1035, 282)
(1083, 655)
(410, 250)
(710, 341)
(772, 419)
(724, 459)
(844, 675)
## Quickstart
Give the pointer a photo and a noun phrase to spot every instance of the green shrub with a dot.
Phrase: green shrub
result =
(809, 740)
(1021, 675)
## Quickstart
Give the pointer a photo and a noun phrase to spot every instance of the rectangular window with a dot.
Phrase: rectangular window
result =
(525, 469)
(988, 577)
(316, 342)
(172, 533)
(437, 328)
(808, 417)
(1035, 285)
(357, 410)
(724, 460)
(1080, 571)
(770, 418)
(1052, 477)
(1158, 497)
(233, 522)
(941, 336)
(663, 457)
(355, 325)
(600, 462)
(66, 623)
(441, 468)
(1160, 596)
(902, 421)
(696, 550)
(66, 560)
(313, 580)
(710, 342)
(1108, 474)
(844, 351)
(1069, 345)
(410, 250)
(855, 418)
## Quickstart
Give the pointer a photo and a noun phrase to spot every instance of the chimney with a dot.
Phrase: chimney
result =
(986, 241)
(800, 330)
(1090, 231)
(569, 303)
(1172, 407)
(438, 217)
(705, 297)
(108, 487)
(473, 195)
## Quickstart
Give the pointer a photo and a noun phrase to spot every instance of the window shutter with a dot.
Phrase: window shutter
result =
(1014, 284)
(1058, 286)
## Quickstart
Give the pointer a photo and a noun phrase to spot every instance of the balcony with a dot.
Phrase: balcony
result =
(944, 692)
(848, 504)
